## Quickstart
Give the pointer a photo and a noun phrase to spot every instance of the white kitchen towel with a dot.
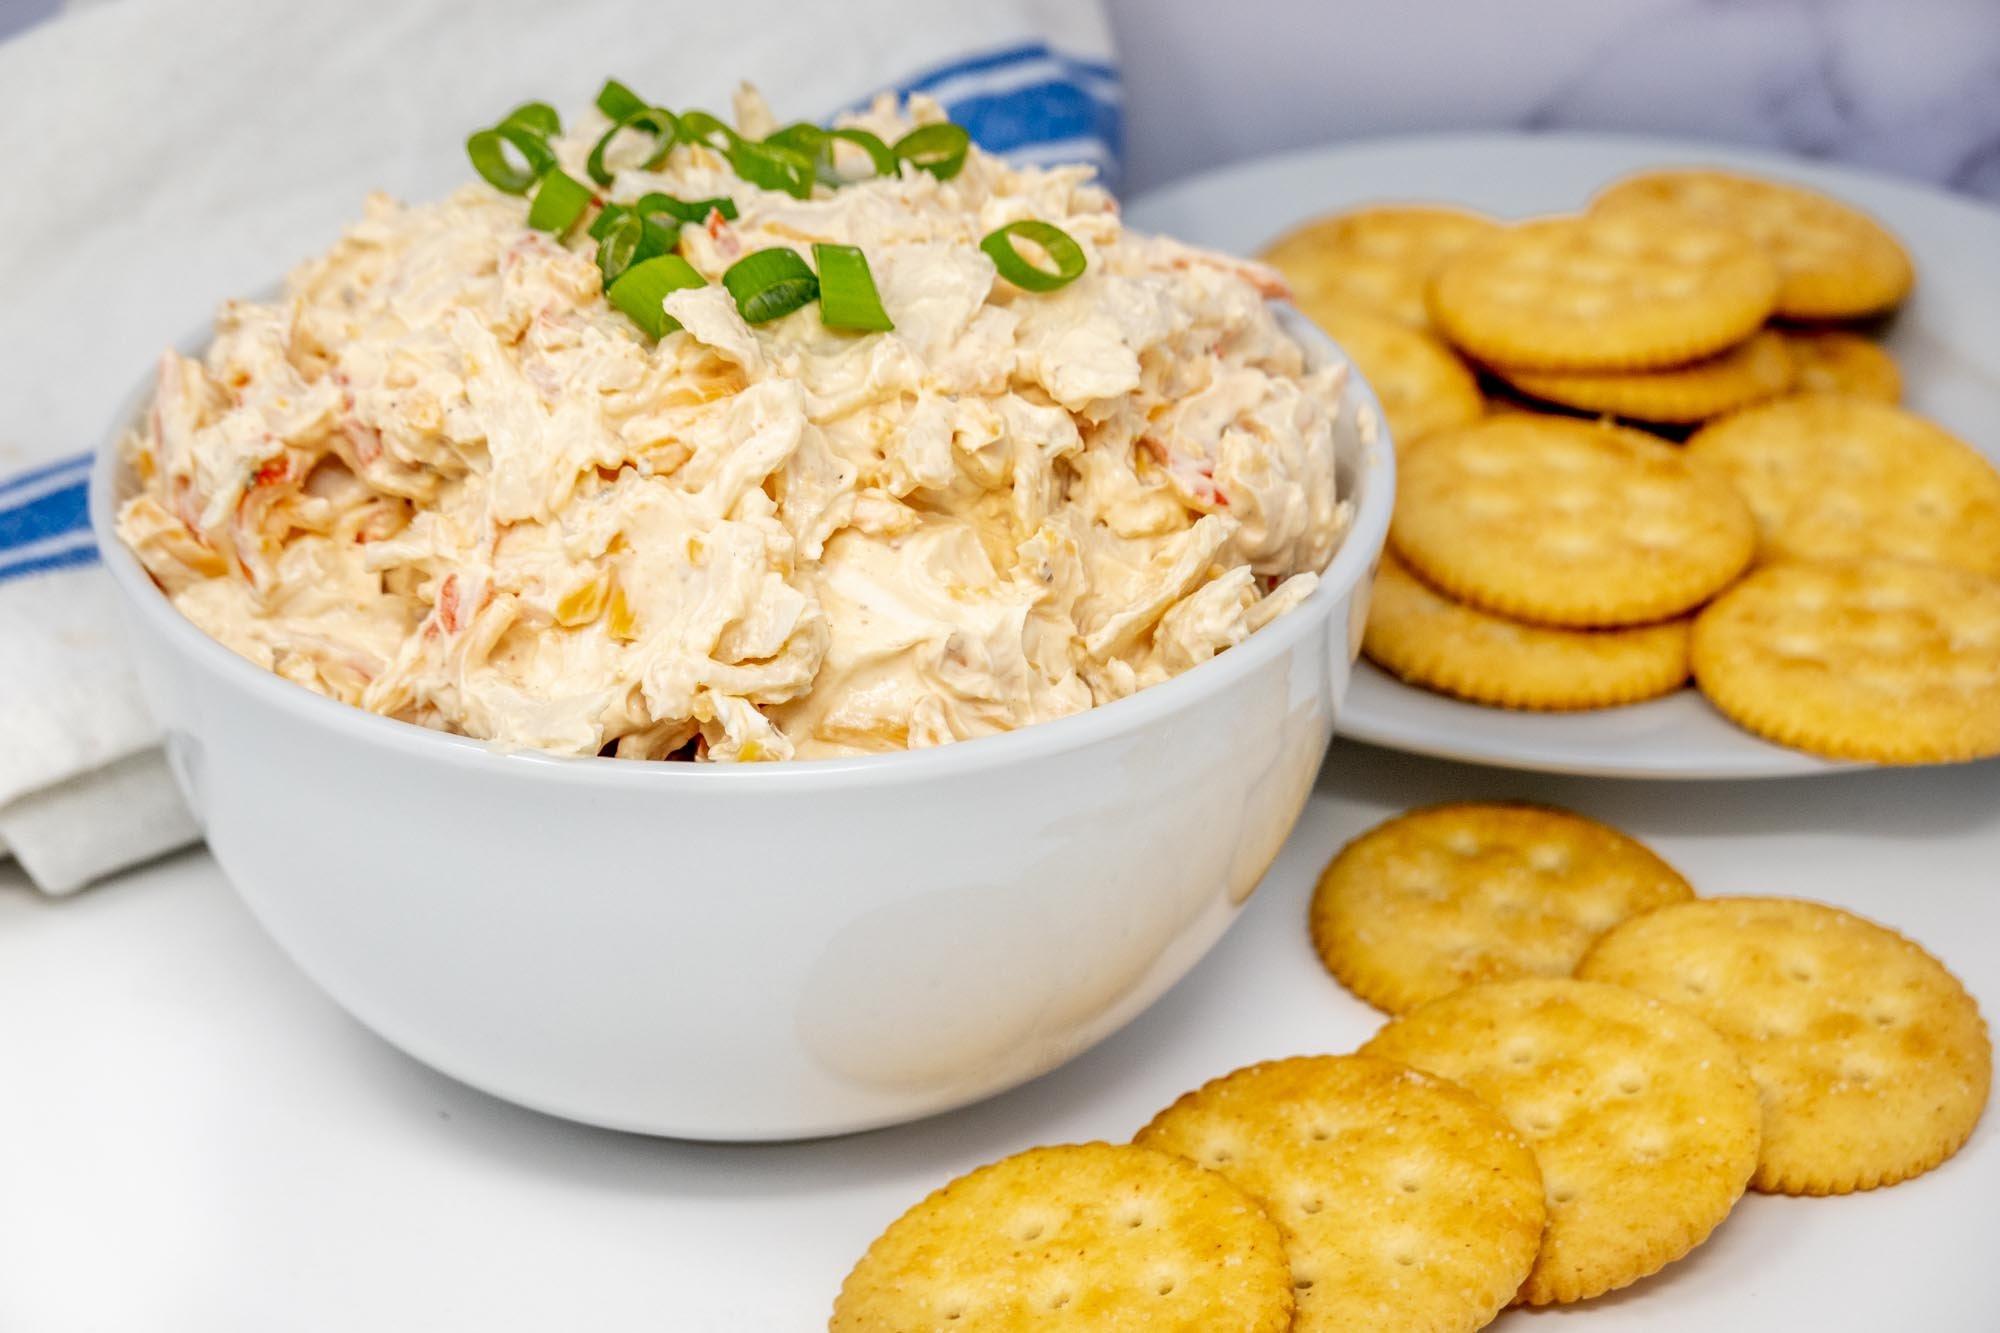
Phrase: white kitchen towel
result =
(165, 154)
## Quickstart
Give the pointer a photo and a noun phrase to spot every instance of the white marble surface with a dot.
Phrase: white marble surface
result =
(1907, 86)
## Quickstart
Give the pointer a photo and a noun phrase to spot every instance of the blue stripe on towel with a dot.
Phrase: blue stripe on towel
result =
(1029, 97)
(45, 519)
(22, 480)
(81, 552)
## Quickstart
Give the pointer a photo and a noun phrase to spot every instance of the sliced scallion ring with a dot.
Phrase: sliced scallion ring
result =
(617, 101)
(801, 137)
(818, 144)
(880, 154)
(704, 129)
(939, 149)
(1063, 252)
(640, 290)
(770, 283)
(685, 210)
(560, 200)
(775, 168)
(657, 121)
(488, 151)
(607, 218)
(847, 295)
(618, 248)
(535, 117)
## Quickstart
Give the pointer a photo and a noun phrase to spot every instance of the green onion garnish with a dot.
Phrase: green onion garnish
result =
(657, 121)
(774, 168)
(617, 101)
(640, 290)
(1064, 252)
(939, 149)
(800, 136)
(847, 295)
(817, 144)
(535, 117)
(878, 152)
(619, 246)
(488, 151)
(770, 283)
(560, 200)
(685, 210)
(704, 129)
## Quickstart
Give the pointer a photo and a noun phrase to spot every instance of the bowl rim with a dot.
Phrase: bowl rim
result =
(1352, 561)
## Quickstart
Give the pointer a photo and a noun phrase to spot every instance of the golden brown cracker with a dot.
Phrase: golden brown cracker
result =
(1882, 660)
(1443, 897)
(1840, 361)
(1750, 372)
(1405, 1202)
(1603, 292)
(1565, 522)
(1424, 638)
(1873, 1061)
(1833, 477)
(1834, 261)
(1422, 385)
(1643, 1118)
(1379, 256)
(1091, 1236)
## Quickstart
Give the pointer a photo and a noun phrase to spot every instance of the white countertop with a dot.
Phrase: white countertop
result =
(194, 1138)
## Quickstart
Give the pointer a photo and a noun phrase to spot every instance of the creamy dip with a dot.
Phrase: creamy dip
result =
(443, 479)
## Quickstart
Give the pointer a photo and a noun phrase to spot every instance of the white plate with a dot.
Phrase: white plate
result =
(1947, 339)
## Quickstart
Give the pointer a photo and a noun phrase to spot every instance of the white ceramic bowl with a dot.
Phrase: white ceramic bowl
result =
(758, 951)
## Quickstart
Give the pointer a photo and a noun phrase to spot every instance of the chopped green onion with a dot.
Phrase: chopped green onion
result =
(607, 217)
(774, 168)
(656, 120)
(535, 117)
(488, 151)
(939, 149)
(847, 295)
(878, 152)
(770, 283)
(640, 290)
(1064, 252)
(800, 136)
(617, 101)
(620, 244)
(559, 201)
(817, 144)
(685, 210)
(702, 128)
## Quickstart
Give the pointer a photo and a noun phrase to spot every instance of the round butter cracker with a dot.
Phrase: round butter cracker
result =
(1643, 1118)
(1750, 372)
(1830, 477)
(1882, 660)
(1405, 1202)
(1839, 361)
(1451, 895)
(1603, 292)
(1873, 1062)
(1380, 256)
(1566, 522)
(1092, 1236)
(1424, 638)
(1423, 386)
(1833, 260)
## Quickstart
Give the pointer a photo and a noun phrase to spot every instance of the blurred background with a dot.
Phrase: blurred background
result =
(1907, 86)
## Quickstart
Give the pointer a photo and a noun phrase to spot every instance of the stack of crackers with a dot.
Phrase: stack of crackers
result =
(1584, 1069)
(1652, 440)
